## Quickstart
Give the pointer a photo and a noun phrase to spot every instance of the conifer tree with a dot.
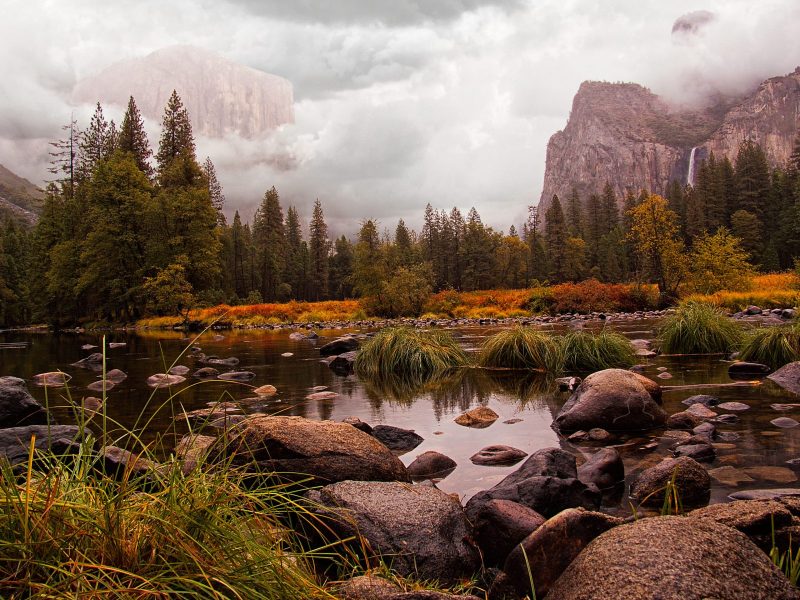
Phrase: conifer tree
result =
(368, 266)
(65, 158)
(176, 134)
(537, 266)
(574, 215)
(295, 273)
(269, 239)
(555, 235)
(94, 143)
(214, 190)
(341, 269)
(319, 250)
(132, 138)
(239, 256)
(751, 172)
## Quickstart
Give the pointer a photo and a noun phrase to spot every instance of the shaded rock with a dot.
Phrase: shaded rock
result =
(237, 376)
(729, 475)
(367, 587)
(202, 416)
(703, 399)
(325, 450)
(773, 474)
(613, 399)
(422, 529)
(784, 407)
(396, 439)
(192, 450)
(339, 346)
(550, 549)
(734, 406)
(788, 377)
(753, 310)
(179, 370)
(706, 430)
(765, 494)
(93, 361)
(598, 434)
(672, 558)
(726, 418)
(745, 370)
(162, 380)
(784, 422)
(498, 455)
(604, 469)
(701, 411)
(322, 396)
(344, 364)
(692, 482)
(431, 465)
(231, 361)
(121, 464)
(265, 390)
(500, 525)
(751, 517)
(116, 375)
(99, 386)
(52, 379)
(479, 417)
(358, 424)
(17, 406)
(684, 420)
(546, 482)
(205, 373)
(699, 452)
(15, 441)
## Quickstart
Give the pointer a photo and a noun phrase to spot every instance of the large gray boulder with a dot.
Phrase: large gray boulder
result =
(788, 377)
(615, 400)
(672, 558)
(15, 441)
(17, 406)
(546, 482)
(294, 447)
(421, 531)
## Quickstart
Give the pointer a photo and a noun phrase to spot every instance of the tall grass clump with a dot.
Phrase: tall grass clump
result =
(588, 352)
(409, 353)
(698, 328)
(522, 348)
(773, 346)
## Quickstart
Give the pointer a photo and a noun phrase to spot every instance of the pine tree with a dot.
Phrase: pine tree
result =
(368, 266)
(574, 215)
(402, 251)
(295, 272)
(609, 213)
(457, 226)
(65, 158)
(239, 256)
(269, 239)
(94, 143)
(537, 265)
(341, 269)
(594, 228)
(176, 134)
(555, 235)
(214, 190)
(751, 172)
(132, 138)
(319, 250)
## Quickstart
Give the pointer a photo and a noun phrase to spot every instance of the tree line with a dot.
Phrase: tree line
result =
(125, 232)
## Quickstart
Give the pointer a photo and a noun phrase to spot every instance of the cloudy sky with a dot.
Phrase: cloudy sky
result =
(397, 102)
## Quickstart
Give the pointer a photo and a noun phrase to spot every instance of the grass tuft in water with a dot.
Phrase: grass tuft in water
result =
(523, 348)
(588, 352)
(774, 346)
(698, 328)
(412, 354)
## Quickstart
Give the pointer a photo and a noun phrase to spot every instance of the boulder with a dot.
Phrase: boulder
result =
(546, 482)
(613, 399)
(339, 346)
(17, 406)
(755, 518)
(122, 464)
(162, 380)
(396, 439)
(420, 530)
(431, 465)
(479, 417)
(344, 364)
(745, 370)
(500, 525)
(237, 376)
(788, 377)
(703, 399)
(205, 373)
(604, 469)
(15, 441)
(672, 558)
(325, 450)
(498, 455)
(684, 420)
(692, 482)
(550, 549)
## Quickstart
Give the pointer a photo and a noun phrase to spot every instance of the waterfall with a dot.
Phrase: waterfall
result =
(690, 174)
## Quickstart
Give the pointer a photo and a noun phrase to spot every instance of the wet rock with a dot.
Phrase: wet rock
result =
(751, 517)
(773, 474)
(100, 386)
(322, 396)
(162, 380)
(93, 361)
(479, 417)
(339, 346)
(703, 399)
(788, 377)
(396, 439)
(674, 434)
(205, 373)
(699, 452)
(498, 455)
(15, 441)
(598, 434)
(734, 406)
(701, 411)
(265, 390)
(344, 364)
(604, 469)
(784, 407)
(423, 529)
(224, 362)
(692, 482)
(550, 549)
(745, 370)
(765, 494)
(726, 418)
(672, 558)
(684, 420)
(325, 450)
(664, 375)
(17, 406)
(706, 430)
(568, 384)
(784, 422)
(431, 465)
(730, 476)
(358, 424)
(500, 525)
(52, 379)
(546, 482)
(179, 370)
(123, 464)
(115, 345)
(613, 399)
(237, 376)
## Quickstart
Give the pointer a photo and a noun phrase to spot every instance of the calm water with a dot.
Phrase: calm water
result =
(430, 412)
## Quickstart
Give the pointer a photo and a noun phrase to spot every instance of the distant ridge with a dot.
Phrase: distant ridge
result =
(19, 198)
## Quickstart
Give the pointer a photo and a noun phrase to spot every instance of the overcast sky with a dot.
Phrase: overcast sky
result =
(397, 102)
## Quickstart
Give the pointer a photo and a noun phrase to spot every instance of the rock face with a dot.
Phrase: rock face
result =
(788, 377)
(325, 450)
(17, 406)
(421, 531)
(672, 558)
(613, 399)
(628, 136)
(222, 97)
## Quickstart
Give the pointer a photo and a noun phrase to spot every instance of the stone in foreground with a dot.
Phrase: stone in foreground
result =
(17, 406)
(788, 377)
(672, 558)
(431, 465)
(500, 526)
(692, 482)
(15, 441)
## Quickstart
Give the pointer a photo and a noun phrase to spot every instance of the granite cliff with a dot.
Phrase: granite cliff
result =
(624, 134)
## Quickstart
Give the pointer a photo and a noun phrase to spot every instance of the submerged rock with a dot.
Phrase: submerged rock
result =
(237, 376)
(52, 379)
(703, 399)
(343, 364)
(100, 386)
(162, 380)
(93, 361)
(117, 375)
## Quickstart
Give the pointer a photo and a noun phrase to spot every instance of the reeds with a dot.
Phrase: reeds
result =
(522, 348)
(774, 346)
(586, 352)
(699, 328)
(412, 354)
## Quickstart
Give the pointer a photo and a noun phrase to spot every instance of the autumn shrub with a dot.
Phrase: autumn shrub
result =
(586, 352)
(698, 328)
(591, 296)
(522, 348)
(403, 295)
(774, 345)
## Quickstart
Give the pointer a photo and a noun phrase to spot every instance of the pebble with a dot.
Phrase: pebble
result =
(664, 375)
(287, 354)
(734, 406)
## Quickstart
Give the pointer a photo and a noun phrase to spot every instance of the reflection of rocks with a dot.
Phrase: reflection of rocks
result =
(745, 370)
(343, 364)
(772, 474)
(498, 455)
